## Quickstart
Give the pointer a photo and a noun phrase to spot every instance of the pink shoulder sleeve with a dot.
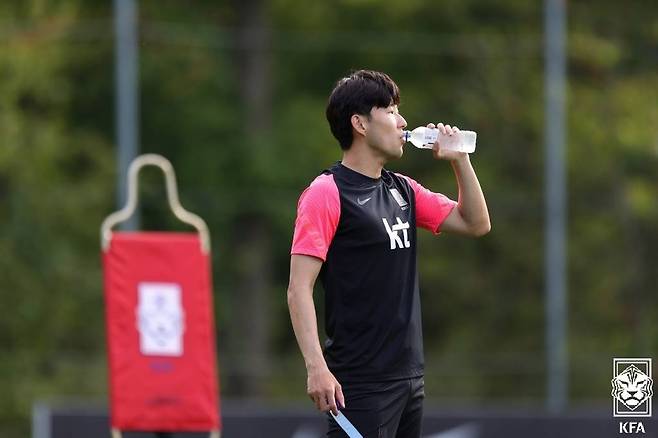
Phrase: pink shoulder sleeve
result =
(431, 208)
(318, 212)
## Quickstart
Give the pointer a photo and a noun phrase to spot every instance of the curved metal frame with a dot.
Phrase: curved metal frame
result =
(172, 196)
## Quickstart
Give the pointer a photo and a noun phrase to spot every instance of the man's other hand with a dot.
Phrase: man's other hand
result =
(325, 391)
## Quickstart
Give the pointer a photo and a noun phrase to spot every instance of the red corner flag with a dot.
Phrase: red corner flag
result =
(160, 333)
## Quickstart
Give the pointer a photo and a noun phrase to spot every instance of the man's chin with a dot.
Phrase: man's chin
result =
(393, 156)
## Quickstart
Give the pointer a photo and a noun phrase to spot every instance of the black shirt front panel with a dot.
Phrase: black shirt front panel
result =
(370, 280)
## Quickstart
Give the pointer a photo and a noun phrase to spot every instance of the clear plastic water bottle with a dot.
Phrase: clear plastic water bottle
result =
(424, 138)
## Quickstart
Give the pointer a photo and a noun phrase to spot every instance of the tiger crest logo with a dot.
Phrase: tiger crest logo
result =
(632, 387)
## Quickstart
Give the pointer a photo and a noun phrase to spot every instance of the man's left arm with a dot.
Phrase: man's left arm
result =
(470, 216)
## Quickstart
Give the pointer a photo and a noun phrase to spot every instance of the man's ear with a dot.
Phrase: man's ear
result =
(359, 123)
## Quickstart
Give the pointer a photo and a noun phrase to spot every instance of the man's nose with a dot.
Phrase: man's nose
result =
(402, 122)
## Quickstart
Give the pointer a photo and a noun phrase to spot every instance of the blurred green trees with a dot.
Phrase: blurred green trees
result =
(243, 156)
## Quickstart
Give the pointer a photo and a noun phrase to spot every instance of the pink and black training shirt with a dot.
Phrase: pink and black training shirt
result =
(364, 230)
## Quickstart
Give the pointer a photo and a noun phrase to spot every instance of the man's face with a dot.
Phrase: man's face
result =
(384, 131)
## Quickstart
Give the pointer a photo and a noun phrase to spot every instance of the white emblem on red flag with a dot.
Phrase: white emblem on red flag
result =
(160, 319)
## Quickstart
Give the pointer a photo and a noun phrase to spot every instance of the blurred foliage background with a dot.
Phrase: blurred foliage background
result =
(233, 93)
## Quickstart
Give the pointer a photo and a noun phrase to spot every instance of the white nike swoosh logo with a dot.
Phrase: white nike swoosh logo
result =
(360, 202)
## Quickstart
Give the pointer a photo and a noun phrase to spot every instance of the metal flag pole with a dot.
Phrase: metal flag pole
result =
(555, 195)
(126, 96)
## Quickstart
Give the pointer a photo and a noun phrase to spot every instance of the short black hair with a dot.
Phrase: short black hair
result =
(358, 93)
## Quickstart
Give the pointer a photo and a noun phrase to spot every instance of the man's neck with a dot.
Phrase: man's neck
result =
(360, 158)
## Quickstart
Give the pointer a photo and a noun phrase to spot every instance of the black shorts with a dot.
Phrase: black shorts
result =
(392, 409)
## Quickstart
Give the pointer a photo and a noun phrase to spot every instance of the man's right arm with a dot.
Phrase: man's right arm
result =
(322, 386)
